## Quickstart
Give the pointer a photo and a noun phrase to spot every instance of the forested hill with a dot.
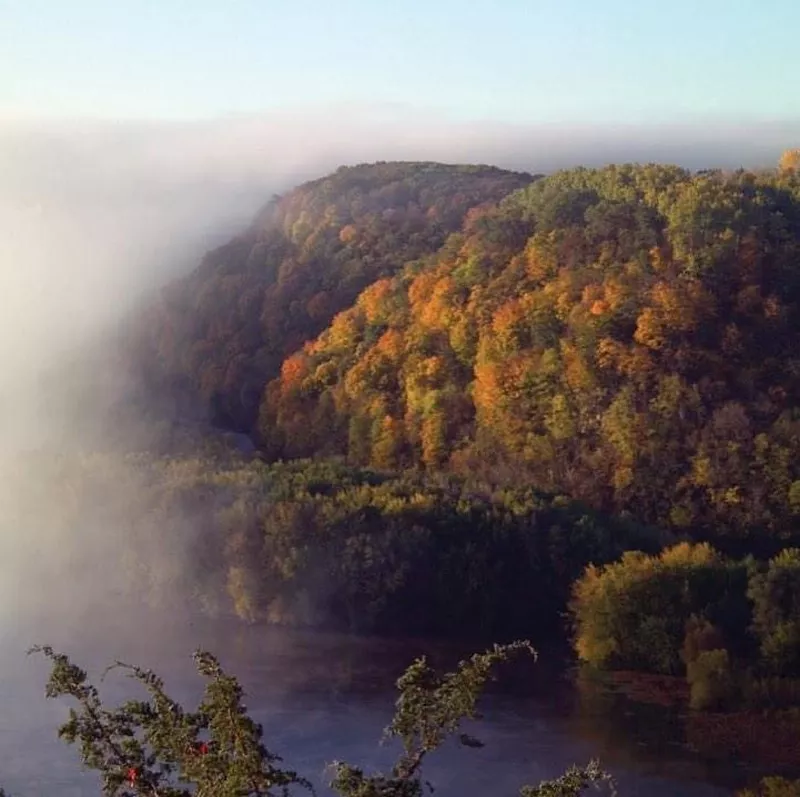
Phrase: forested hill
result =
(221, 333)
(628, 337)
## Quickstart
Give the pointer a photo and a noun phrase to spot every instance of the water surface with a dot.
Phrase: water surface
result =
(323, 697)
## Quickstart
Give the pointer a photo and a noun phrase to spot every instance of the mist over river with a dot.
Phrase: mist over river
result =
(323, 697)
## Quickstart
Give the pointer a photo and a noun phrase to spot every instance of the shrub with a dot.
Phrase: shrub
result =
(633, 614)
(710, 680)
(701, 636)
(774, 787)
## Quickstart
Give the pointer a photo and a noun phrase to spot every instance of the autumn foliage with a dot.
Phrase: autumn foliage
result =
(220, 334)
(626, 336)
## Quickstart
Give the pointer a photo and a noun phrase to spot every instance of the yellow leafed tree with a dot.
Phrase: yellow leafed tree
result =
(790, 161)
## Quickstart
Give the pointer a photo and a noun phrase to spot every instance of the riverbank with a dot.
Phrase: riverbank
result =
(757, 740)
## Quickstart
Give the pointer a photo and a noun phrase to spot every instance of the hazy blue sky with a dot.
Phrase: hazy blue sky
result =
(513, 60)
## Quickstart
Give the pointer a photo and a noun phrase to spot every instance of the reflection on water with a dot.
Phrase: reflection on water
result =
(324, 697)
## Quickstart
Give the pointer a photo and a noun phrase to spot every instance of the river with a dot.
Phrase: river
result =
(323, 697)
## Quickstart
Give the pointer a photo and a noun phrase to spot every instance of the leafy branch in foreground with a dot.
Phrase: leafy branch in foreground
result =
(572, 783)
(155, 748)
(430, 709)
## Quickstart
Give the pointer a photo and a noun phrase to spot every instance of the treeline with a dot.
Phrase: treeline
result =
(328, 544)
(731, 627)
(321, 543)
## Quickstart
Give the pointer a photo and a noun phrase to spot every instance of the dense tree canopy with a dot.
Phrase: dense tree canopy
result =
(323, 544)
(223, 331)
(627, 336)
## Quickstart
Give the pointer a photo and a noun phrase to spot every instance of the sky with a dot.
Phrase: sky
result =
(516, 61)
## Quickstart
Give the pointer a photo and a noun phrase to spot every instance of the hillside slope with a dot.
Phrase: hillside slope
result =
(628, 336)
(222, 332)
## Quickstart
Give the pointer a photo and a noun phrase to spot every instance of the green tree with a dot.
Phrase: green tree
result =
(775, 592)
(634, 613)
